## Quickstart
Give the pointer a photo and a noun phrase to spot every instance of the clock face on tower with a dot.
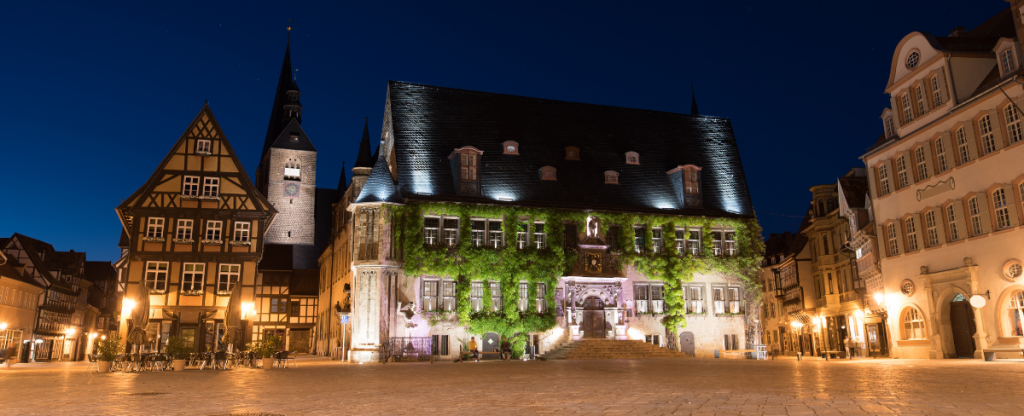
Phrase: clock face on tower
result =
(291, 190)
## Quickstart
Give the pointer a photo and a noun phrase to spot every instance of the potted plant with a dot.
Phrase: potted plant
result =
(107, 351)
(271, 344)
(179, 349)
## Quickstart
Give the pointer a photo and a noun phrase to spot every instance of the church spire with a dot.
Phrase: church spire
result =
(286, 99)
(363, 158)
(693, 101)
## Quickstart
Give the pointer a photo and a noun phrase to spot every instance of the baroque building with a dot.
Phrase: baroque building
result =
(191, 233)
(548, 222)
(946, 189)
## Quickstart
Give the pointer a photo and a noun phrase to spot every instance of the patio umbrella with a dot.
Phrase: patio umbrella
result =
(233, 316)
(140, 317)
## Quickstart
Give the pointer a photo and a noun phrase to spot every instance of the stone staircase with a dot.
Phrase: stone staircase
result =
(604, 349)
(560, 352)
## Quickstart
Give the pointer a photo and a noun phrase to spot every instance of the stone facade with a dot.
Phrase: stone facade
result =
(294, 223)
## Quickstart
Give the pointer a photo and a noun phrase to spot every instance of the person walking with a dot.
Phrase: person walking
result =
(849, 348)
(473, 349)
(10, 356)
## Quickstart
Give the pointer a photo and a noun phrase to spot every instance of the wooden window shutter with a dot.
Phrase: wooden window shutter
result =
(950, 151)
(997, 128)
(900, 245)
(919, 231)
(939, 224)
(1011, 204)
(943, 86)
(896, 120)
(872, 185)
(986, 213)
(961, 220)
(910, 165)
(972, 140)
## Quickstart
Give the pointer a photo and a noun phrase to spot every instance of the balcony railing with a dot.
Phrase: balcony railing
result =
(849, 297)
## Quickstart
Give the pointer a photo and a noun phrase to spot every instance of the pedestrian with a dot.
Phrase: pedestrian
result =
(849, 348)
(473, 349)
(10, 356)
(506, 349)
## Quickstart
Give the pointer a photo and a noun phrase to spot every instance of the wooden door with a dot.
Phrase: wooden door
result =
(593, 324)
(298, 341)
(961, 317)
(686, 343)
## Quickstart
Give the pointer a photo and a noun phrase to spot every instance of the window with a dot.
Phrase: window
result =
(476, 296)
(656, 240)
(1012, 123)
(954, 233)
(431, 230)
(451, 231)
(524, 296)
(936, 92)
(448, 295)
(242, 231)
(691, 181)
(988, 140)
(192, 277)
(734, 300)
(975, 211)
(211, 187)
(921, 109)
(430, 295)
(184, 230)
(510, 147)
(540, 239)
(961, 142)
(824, 244)
(638, 239)
(922, 163)
(522, 235)
(632, 158)
(932, 227)
(156, 275)
(912, 59)
(940, 156)
(496, 296)
(572, 153)
(292, 171)
(890, 233)
(716, 241)
(883, 180)
(547, 173)
(213, 230)
(494, 233)
(642, 298)
(730, 243)
(901, 173)
(693, 242)
(278, 305)
(889, 130)
(911, 234)
(542, 302)
(203, 146)
(191, 187)
(680, 240)
(227, 277)
(155, 228)
(468, 168)
(479, 229)
(611, 177)
(1016, 314)
(1002, 211)
(908, 114)
(719, 299)
(913, 324)
(650, 298)
(1006, 60)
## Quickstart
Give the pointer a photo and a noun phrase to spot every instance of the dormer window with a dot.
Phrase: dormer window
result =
(572, 153)
(611, 177)
(686, 183)
(510, 147)
(691, 180)
(547, 173)
(1006, 61)
(292, 171)
(203, 146)
(465, 163)
(889, 130)
(294, 137)
(632, 158)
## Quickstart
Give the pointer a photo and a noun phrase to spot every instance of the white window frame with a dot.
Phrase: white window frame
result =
(495, 236)
(450, 234)
(542, 302)
(496, 300)
(213, 230)
(156, 275)
(242, 230)
(190, 186)
(154, 227)
(894, 247)
(641, 297)
(901, 172)
(883, 180)
(988, 140)
(432, 231)
(227, 277)
(718, 296)
(922, 163)
(656, 241)
(183, 231)
(908, 112)
(730, 243)
(913, 325)
(681, 240)
(735, 300)
(694, 241)
(540, 238)
(974, 210)
(476, 296)
(448, 295)
(522, 235)
(940, 157)
(211, 187)
(193, 278)
(932, 228)
(479, 235)
(1002, 211)
(1013, 128)
(954, 233)
(911, 234)
(524, 296)
(961, 143)
(203, 146)
(717, 241)
(936, 92)
(919, 91)
(430, 296)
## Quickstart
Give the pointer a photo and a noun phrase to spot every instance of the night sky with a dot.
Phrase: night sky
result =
(94, 97)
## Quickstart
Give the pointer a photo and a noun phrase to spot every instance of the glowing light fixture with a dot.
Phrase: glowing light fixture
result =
(70, 332)
(879, 298)
(248, 308)
(797, 324)
(3, 326)
(127, 305)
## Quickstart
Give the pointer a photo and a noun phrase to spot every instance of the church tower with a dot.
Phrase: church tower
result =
(286, 174)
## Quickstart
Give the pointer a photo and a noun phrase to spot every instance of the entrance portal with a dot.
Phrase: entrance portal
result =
(961, 318)
(686, 344)
(593, 318)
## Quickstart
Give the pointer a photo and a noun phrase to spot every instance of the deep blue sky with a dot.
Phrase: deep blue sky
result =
(95, 96)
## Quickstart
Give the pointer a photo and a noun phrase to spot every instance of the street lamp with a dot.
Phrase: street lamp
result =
(3, 326)
(127, 305)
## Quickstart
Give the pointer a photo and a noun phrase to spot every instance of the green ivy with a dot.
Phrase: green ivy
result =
(509, 266)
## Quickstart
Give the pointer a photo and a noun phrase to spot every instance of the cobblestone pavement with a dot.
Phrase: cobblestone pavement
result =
(652, 386)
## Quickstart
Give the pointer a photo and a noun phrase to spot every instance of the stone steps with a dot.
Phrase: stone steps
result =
(561, 351)
(615, 349)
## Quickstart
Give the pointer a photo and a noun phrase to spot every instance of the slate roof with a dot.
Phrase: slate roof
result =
(778, 244)
(854, 190)
(99, 271)
(363, 158)
(430, 122)
(379, 186)
(284, 83)
(284, 139)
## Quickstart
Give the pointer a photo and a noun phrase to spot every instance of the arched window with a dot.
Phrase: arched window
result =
(831, 205)
(912, 324)
(824, 243)
(291, 170)
(1015, 314)
(821, 208)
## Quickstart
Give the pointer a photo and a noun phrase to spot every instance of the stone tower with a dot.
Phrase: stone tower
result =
(286, 174)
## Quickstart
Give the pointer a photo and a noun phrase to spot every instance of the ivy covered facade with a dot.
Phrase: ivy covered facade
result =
(495, 216)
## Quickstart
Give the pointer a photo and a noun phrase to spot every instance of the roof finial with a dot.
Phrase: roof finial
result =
(290, 31)
(693, 101)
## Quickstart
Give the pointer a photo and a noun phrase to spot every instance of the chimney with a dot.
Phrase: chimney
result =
(958, 32)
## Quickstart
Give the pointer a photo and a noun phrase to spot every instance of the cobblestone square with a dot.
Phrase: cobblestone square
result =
(651, 386)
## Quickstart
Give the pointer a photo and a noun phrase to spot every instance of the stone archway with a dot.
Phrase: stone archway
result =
(943, 325)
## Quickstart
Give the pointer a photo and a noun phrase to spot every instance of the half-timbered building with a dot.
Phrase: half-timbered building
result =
(193, 231)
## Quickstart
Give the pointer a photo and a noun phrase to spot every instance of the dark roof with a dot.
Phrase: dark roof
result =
(304, 282)
(123, 242)
(964, 44)
(323, 217)
(99, 271)
(981, 39)
(380, 187)
(363, 158)
(284, 140)
(854, 190)
(430, 122)
(778, 244)
(284, 84)
(998, 26)
(288, 257)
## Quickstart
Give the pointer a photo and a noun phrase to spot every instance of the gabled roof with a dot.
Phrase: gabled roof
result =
(428, 122)
(284, 140)
(854, 191)
(380, 187)
(33, 248)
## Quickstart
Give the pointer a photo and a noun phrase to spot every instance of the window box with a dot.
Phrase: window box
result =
(183, 241)
(191, 292)
(240, 242)
(212, 242)
(204, 197)
(154, 239)
(203, 153)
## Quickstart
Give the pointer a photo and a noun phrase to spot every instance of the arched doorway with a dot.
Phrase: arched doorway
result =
(961, 320)
(593, 318)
